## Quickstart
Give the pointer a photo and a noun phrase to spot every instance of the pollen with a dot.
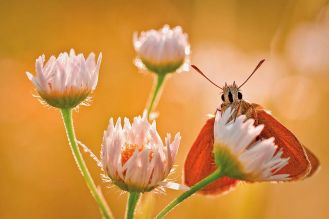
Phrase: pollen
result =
(129, 150)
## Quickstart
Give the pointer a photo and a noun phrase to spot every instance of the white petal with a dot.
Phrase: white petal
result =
(174, 186)
(259, 160)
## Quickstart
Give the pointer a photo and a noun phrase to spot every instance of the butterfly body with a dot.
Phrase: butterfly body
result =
(200, 161)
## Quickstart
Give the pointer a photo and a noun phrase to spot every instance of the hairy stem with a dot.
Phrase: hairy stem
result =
(68, 122)
(155, 93)
(131, 204)
(200, 185)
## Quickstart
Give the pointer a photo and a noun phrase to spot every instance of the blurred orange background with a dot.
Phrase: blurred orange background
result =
(39, 178)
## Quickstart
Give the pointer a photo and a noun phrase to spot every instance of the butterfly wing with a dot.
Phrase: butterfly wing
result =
(200, 162)
(302, 162)
(315, 163)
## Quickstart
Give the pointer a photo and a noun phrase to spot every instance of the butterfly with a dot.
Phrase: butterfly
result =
(200, 161)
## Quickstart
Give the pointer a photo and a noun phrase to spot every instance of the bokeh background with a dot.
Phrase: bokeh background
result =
(39, 178)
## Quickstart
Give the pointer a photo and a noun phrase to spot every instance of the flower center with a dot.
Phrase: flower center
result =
(129, 150)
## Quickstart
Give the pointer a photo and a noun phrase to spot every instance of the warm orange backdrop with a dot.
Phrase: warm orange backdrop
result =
(39, 178)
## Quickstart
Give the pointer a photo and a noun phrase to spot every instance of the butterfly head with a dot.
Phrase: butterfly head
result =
(231, 93)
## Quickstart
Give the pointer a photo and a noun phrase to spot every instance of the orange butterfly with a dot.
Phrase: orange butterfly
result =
(200, 161)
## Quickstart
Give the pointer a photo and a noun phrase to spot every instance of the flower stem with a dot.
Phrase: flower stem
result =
(68, 122)
(203, 183)
(156, 89)
(131, 204)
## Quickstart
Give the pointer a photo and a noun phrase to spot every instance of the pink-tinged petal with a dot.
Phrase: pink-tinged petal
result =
(127, 125)
(40, 74)
(48, 68)
(118, 126)
(159, 170)
(168, 154)
(142, 163)
(130, 167)
(175, 145)
(30, 76)
(72, 53)
(95, 72)
(151, 165)
(33, 79)
(90, 62)
(156, 139)
(39, 65)
(85, 75)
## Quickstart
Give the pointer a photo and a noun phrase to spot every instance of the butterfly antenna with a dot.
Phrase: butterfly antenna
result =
(201, 73)
(257, 67)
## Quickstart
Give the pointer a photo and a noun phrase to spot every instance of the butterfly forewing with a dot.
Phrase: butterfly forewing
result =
(301, 162)
(315, 163)
(200, 162)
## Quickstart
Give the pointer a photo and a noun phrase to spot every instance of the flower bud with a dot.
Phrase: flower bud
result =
(66, 81)
(134, 156)
(163, 51)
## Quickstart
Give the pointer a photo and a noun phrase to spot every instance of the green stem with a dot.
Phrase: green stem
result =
(68, 122)
(131, 204)
(200, 185)
(156, 89)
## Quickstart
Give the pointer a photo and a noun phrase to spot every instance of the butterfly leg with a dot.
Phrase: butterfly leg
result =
(217, 110)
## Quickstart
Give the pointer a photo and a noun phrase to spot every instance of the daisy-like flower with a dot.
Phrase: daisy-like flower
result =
(163, 51)
(241, 156)
(66, 81)
(134, 156)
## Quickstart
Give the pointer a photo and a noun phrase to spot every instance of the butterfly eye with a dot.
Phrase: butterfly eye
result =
(239, 95)
(223, 97)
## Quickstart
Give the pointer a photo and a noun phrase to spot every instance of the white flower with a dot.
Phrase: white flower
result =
(134, 156)
(163, 51)
(242, 156)
(67, 80)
